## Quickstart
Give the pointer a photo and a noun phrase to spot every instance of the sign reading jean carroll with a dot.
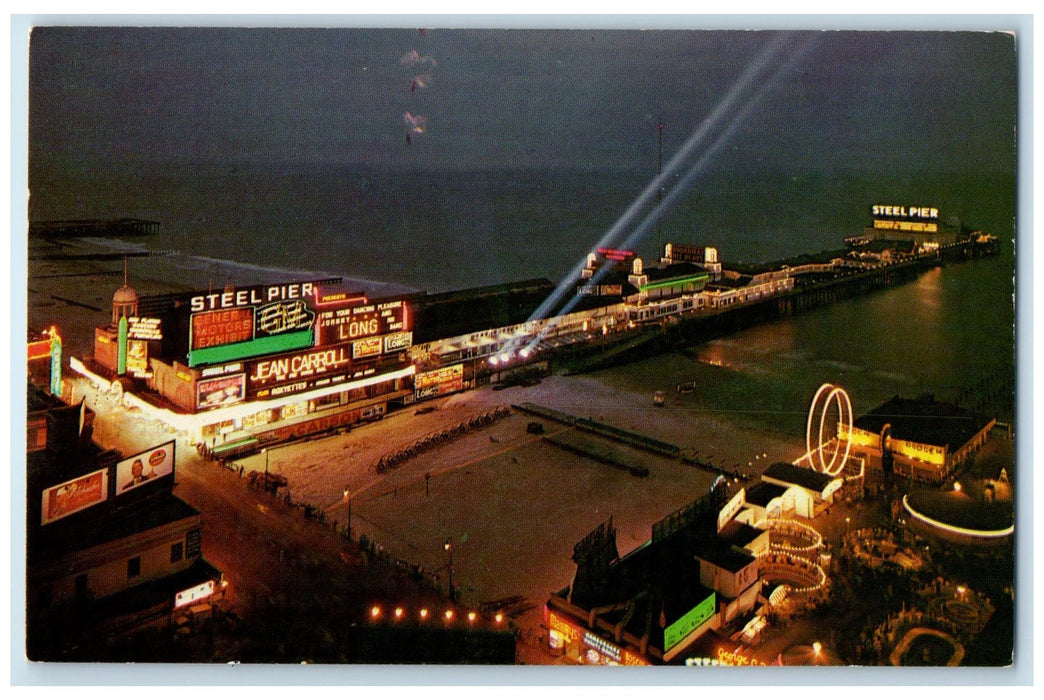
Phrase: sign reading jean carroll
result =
(74, 495)
(280, 369)
(144, 467)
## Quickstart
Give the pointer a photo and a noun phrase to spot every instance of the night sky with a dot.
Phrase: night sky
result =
(510, 98)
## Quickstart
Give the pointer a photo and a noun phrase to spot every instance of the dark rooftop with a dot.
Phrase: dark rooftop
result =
(739, 534)
(924, 420)
(70, 534)
(799, 476)
(761, 493)
(728, 557)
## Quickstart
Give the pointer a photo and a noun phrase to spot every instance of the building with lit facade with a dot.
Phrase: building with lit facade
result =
(921, 438)
(699, 573)
(109, 548)
(245, 366)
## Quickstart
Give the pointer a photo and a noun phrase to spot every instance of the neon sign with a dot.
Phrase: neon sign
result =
(680, 628)
(212, 328)
(280, 317)
(361, 321)
(303, 364)
(900, 212)
(251, 296)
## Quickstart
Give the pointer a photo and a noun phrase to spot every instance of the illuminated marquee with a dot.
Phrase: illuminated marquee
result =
(249, 322)
(897, 212)
(688, 253)
(437, 382)
(398, 341)
(599, 651)
(297, 370)
(138, 358)
(616, 254)
(251, 296)
(360, 321)
(899, 218)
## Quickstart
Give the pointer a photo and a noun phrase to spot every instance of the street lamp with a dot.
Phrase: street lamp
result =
(348, 497)
(449, 552)
(847, 521)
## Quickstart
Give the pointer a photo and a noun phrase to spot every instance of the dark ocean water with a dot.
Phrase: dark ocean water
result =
(946, 333)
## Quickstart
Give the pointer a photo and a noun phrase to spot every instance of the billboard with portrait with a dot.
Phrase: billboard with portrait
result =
(144, 467)
(74, 495)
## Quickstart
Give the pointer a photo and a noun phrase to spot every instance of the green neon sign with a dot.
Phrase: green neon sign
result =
(121, 347)
(703, 277)
(677, 631)
(294, 340)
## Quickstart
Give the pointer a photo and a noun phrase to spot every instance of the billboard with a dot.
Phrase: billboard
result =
(893, 217)
(220, 391)
(142, 328)
(680, 628)
(144, 467)
(349, 323)
(212, 328)
(398, 341)
(248, 322)
(679, 252)
(138, 358)
(368, 347)
(437, 382)
(297, 368)
(598, 650)
(73, 496)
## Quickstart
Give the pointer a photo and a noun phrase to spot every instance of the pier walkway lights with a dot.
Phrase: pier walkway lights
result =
(834, 394)
(762, 73)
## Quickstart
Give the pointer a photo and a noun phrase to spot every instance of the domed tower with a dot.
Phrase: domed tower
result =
(125, 300)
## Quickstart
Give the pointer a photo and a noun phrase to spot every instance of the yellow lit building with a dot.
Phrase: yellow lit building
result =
(919, 438)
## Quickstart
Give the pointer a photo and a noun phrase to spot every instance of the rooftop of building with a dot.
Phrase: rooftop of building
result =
(664, 575)
(756, 268)
(96, 526)
(762, 493)
(39, 399)
(740, 534)
(678, 270)
(799, 476)
(924, 420)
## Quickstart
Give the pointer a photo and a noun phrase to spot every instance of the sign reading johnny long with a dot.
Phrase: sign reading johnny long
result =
(357, 322)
